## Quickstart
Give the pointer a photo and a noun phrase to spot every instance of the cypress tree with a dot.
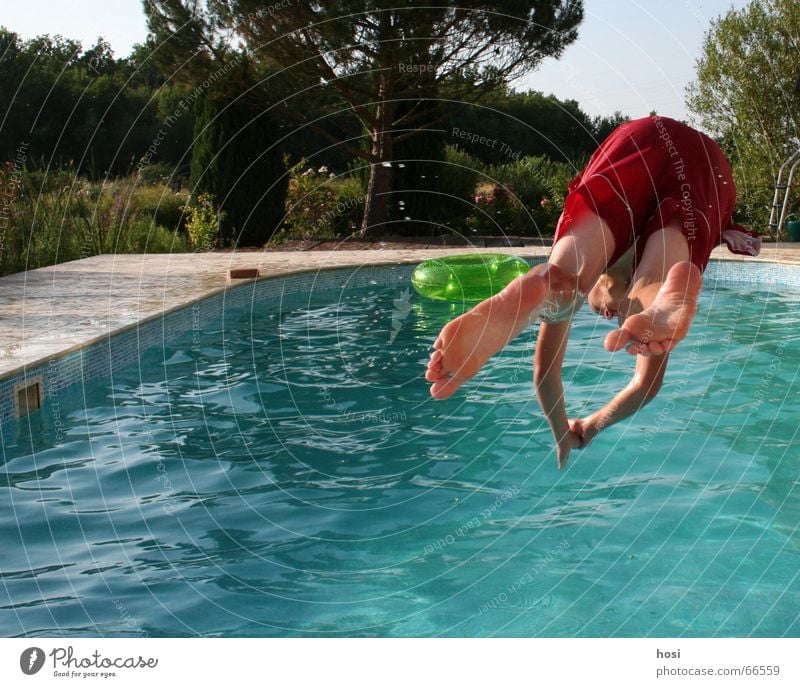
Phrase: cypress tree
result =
(234, 160)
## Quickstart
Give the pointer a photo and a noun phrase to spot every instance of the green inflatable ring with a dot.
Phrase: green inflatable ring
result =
(473, 277)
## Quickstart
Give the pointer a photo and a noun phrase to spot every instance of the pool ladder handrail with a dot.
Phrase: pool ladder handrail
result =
(780, 201)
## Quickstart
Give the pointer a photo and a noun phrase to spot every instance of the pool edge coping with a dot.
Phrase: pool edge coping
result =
(214, 291)
(28, 370)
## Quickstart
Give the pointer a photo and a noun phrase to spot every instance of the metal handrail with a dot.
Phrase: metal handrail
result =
(777, 220)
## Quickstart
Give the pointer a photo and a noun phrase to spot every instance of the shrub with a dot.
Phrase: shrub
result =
(157, 173)
(320, 205)
(235, 160)
(73, 219)
(522, 198)
(203, 222)
(461, 174)
(160, 205)
(144, 236)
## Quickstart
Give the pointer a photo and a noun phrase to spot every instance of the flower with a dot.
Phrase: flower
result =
(322, 170)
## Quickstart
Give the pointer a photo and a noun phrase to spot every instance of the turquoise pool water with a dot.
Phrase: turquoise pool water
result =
(285, 473)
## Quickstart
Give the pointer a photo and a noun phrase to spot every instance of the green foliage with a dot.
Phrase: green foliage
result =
(235, 161)
(160, 205)
(91, 110)
(745, 93)
(533, 178)
(377, 48)
(159, 173)
(458, 176)
(506, 125)
(202, 223)
(461, 174)
(44, 222)
(143, 236)
(320, 204)
(505, 198)
(523, 198)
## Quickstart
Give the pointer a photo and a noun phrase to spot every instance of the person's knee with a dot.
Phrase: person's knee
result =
(563, 296)
(663, 249)
(585, 247)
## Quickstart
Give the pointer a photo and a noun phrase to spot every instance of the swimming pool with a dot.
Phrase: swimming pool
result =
(282, 471)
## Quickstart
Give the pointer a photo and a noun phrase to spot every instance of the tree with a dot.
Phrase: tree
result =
(418, 206)
(234, 160)
(745, 95)
(84, 109)
(365, 51)
(526, 124)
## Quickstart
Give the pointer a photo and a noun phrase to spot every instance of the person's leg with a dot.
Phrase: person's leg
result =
(662, 300)
(465, 344)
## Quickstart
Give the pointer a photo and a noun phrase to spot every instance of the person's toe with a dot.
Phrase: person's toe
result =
(616, 340)
(637, 348)
(434, 374)
(445, 388)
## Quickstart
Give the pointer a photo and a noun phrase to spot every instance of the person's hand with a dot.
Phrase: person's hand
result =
(568, 442)
(585, 429)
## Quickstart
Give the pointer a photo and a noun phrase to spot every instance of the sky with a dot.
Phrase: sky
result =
(631, 55)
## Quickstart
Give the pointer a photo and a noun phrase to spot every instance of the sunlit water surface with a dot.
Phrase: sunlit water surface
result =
(287, 474)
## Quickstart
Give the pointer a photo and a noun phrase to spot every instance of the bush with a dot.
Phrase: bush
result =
(462, 173)
(159, 173)
(144, 236)
(203, 222)
(320, 205)
(235, 159)
(160, 205)
(40, 229)
(521, 198)
(73, 219)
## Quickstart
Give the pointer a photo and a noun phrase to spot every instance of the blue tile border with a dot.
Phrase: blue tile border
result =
(102, 358)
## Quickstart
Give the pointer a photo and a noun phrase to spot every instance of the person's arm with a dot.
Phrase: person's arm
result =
(548, 359)
(644, 386)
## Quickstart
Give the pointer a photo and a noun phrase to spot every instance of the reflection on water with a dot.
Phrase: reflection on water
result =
(289, 475)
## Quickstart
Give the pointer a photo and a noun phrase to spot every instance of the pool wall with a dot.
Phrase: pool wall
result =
(101, 358)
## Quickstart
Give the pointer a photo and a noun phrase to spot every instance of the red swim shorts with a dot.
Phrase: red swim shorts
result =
(651, 171)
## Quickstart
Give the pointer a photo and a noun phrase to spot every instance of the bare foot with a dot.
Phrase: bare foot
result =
(466, 343)
(658, 329)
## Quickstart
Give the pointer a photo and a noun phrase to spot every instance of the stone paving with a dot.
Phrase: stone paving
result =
(54, 310)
